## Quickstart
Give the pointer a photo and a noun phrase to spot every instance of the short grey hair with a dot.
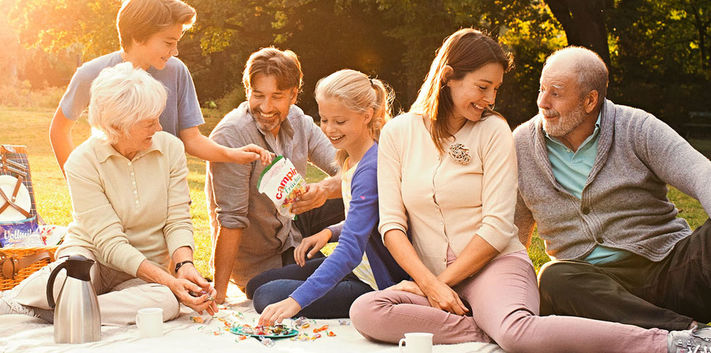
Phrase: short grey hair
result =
(589, 66)
(122, 96)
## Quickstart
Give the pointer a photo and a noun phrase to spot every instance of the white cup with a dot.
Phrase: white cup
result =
(150, 322)
(416, 342)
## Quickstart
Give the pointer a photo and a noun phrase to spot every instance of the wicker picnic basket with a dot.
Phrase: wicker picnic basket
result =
(16, 264)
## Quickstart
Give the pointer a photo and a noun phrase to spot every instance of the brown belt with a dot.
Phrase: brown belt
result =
(11, 265)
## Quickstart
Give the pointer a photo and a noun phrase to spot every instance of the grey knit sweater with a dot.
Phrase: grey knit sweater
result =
(624, 203)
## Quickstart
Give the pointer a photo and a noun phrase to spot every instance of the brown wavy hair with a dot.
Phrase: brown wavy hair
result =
(466, 50)
(137, 20)
(284, 65)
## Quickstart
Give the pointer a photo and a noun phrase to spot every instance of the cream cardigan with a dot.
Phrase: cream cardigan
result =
(129, 211)
(441, 202)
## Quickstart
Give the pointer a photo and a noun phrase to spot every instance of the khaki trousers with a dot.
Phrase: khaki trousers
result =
(120, 295)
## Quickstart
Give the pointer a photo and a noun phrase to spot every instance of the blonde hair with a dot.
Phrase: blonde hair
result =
(357, 92)
(466, 50)
(137, 20)
(122, 96)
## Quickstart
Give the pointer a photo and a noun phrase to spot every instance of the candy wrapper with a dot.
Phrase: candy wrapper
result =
(282, 183)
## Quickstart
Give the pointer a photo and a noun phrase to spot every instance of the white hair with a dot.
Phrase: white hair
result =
(122, 96)
(588, 65)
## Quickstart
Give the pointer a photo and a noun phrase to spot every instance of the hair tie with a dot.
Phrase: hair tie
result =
(371, 82)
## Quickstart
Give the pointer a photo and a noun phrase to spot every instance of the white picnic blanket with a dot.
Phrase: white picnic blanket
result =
(19, 333)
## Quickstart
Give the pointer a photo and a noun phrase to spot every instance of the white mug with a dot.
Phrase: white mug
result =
(416, 342)
(150, 322)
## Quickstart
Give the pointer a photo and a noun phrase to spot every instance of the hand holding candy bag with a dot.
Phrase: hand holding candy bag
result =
(282, 183)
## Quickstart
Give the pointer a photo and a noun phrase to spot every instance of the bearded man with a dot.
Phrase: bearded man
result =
(249, 235)
(593, 176)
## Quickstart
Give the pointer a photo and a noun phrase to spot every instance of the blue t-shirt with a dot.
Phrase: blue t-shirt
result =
(182, 109)
(571, 170)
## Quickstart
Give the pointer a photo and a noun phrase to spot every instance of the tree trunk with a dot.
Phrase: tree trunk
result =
(584, 24)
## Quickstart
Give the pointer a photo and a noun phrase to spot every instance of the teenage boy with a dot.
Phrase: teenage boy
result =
(149, 31)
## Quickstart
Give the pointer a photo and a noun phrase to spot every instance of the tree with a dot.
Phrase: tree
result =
(584, 23)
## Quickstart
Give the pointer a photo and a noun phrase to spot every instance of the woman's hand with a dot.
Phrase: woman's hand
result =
(204, 294)
(442, 296)
(408, 286)
(275, 313)
(182, 287)
(250, 153)
(315, 243)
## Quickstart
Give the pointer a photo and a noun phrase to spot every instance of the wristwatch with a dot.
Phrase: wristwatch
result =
(181, 263)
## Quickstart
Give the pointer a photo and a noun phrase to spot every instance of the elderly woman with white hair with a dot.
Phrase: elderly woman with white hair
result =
(129, 190)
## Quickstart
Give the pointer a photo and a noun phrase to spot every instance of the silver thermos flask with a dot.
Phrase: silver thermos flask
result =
(76, 314)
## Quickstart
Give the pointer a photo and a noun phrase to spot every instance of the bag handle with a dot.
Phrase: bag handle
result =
(10, 201)
(7, 164)
(10, 265)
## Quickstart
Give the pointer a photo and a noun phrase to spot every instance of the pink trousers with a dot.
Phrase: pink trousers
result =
(504, 302)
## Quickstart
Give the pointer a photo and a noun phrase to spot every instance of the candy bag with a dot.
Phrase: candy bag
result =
(282, 183)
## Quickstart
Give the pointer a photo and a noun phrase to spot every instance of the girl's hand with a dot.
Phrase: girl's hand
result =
(312, 245)
(275, 313)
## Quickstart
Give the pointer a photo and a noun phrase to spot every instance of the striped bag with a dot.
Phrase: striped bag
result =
(18, 213)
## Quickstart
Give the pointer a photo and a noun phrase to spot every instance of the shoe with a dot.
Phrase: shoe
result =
(697, 340)
(10, 306)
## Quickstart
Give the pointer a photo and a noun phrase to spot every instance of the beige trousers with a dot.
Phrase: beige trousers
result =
(120, 294)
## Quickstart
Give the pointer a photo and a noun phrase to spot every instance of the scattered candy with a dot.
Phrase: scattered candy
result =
(331, 334)
(344, 322)
(316, 336)
(197, 319)
(200, 294)
(322, 328)
(306, 325)
(300, 321)
(241, 338)
(267, 342)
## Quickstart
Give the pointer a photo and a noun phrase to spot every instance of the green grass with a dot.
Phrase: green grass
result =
(30, 127)
(703, 146)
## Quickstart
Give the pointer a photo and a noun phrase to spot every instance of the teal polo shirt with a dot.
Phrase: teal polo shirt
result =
(571, 170)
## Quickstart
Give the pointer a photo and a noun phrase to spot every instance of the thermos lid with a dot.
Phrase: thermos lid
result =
(79, 267)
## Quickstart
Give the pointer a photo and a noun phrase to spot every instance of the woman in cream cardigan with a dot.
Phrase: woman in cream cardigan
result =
(447, 173)
(130, 197)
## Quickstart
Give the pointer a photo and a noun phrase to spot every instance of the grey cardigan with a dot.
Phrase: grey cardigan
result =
(624, 203)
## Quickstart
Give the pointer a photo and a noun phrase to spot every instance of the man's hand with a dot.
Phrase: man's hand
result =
(275, 313)
(314, 197)
(206, 294)
(249, 153)
(315, 242)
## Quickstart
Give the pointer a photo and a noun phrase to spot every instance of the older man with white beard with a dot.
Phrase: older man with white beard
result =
(593, 176)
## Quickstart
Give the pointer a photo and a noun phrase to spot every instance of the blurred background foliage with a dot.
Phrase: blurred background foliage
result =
(659, 52)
